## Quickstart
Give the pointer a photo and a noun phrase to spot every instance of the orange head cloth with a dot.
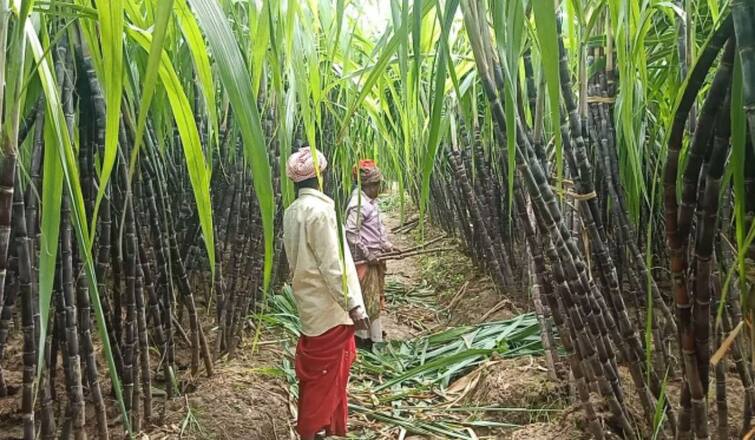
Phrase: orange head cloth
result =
(367, 172)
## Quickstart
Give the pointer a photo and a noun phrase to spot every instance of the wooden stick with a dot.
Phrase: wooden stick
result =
(402, 255)
(405, 225)
(415, 248)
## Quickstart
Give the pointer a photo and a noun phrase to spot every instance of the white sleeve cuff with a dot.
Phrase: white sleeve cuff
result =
(355, 302)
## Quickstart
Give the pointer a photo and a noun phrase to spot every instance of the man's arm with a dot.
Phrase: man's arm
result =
(322, 236)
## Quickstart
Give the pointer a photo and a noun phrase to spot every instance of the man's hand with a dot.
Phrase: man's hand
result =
(389, 247)
(360, 318)
(372, 259)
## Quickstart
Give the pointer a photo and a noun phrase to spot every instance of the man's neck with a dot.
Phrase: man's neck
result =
(309, 189)
(313, 192)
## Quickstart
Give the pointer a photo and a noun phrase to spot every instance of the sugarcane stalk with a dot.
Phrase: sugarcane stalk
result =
(143, 337)
(546, 334)
(543, 200)
(708, 208)
(46, 411)
(252, 279)
(414, 248)
(239, 249)
(199, 342)
(743, 12)
(159, 234)
(68, 303)
(701, 140)
(502, 276)
(574, 146)
(146, 271)
(7, 170)
(607, 151)
(722, 406)
(11, 294)
(692, 392)
(731, 314)
(74, 376)
(116, 271)
(405, 226)
(88, 353)
(58, 335)
(231, 240)
(27, 311)
(489, 207)
(31, 215)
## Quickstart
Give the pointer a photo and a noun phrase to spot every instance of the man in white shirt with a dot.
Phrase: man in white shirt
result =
(328, 298)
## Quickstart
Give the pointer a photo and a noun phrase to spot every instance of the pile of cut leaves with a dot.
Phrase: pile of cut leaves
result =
(415, 386)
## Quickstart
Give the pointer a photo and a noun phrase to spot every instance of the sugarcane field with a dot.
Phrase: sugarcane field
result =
(377, 219)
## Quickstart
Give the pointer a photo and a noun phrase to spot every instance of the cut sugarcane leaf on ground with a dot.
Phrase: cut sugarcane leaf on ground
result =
(415, 384)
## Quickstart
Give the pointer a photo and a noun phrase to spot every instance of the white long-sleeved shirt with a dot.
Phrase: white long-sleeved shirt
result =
(310, 237)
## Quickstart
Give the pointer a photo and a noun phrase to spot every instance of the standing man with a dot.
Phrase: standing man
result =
(368, 239)
(328, 298)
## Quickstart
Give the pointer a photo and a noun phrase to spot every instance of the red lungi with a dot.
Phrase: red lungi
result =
(322, 367)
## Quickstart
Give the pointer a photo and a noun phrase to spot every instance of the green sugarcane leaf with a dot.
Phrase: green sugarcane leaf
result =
(649, 319)
(508, 23)
(52, 193)
(199, 173)
(441, 71)
(434, 365)
(259, 44)
(737, 163)
(547, 33)
(111, 25)
(162, 18)
(200, 55)
(340, 10)
(400, 12)
(660, 411)
(382, 63)
(418, 13)
(238, 86)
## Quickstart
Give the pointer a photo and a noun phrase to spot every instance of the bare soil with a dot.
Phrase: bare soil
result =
(522, 387)
(11, 424)
(564, 426)
(245, 398)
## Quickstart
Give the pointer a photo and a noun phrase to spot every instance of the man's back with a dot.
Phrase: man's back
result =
(310, 236)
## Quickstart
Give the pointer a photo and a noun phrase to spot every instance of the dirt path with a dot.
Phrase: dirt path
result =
(406, 272)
